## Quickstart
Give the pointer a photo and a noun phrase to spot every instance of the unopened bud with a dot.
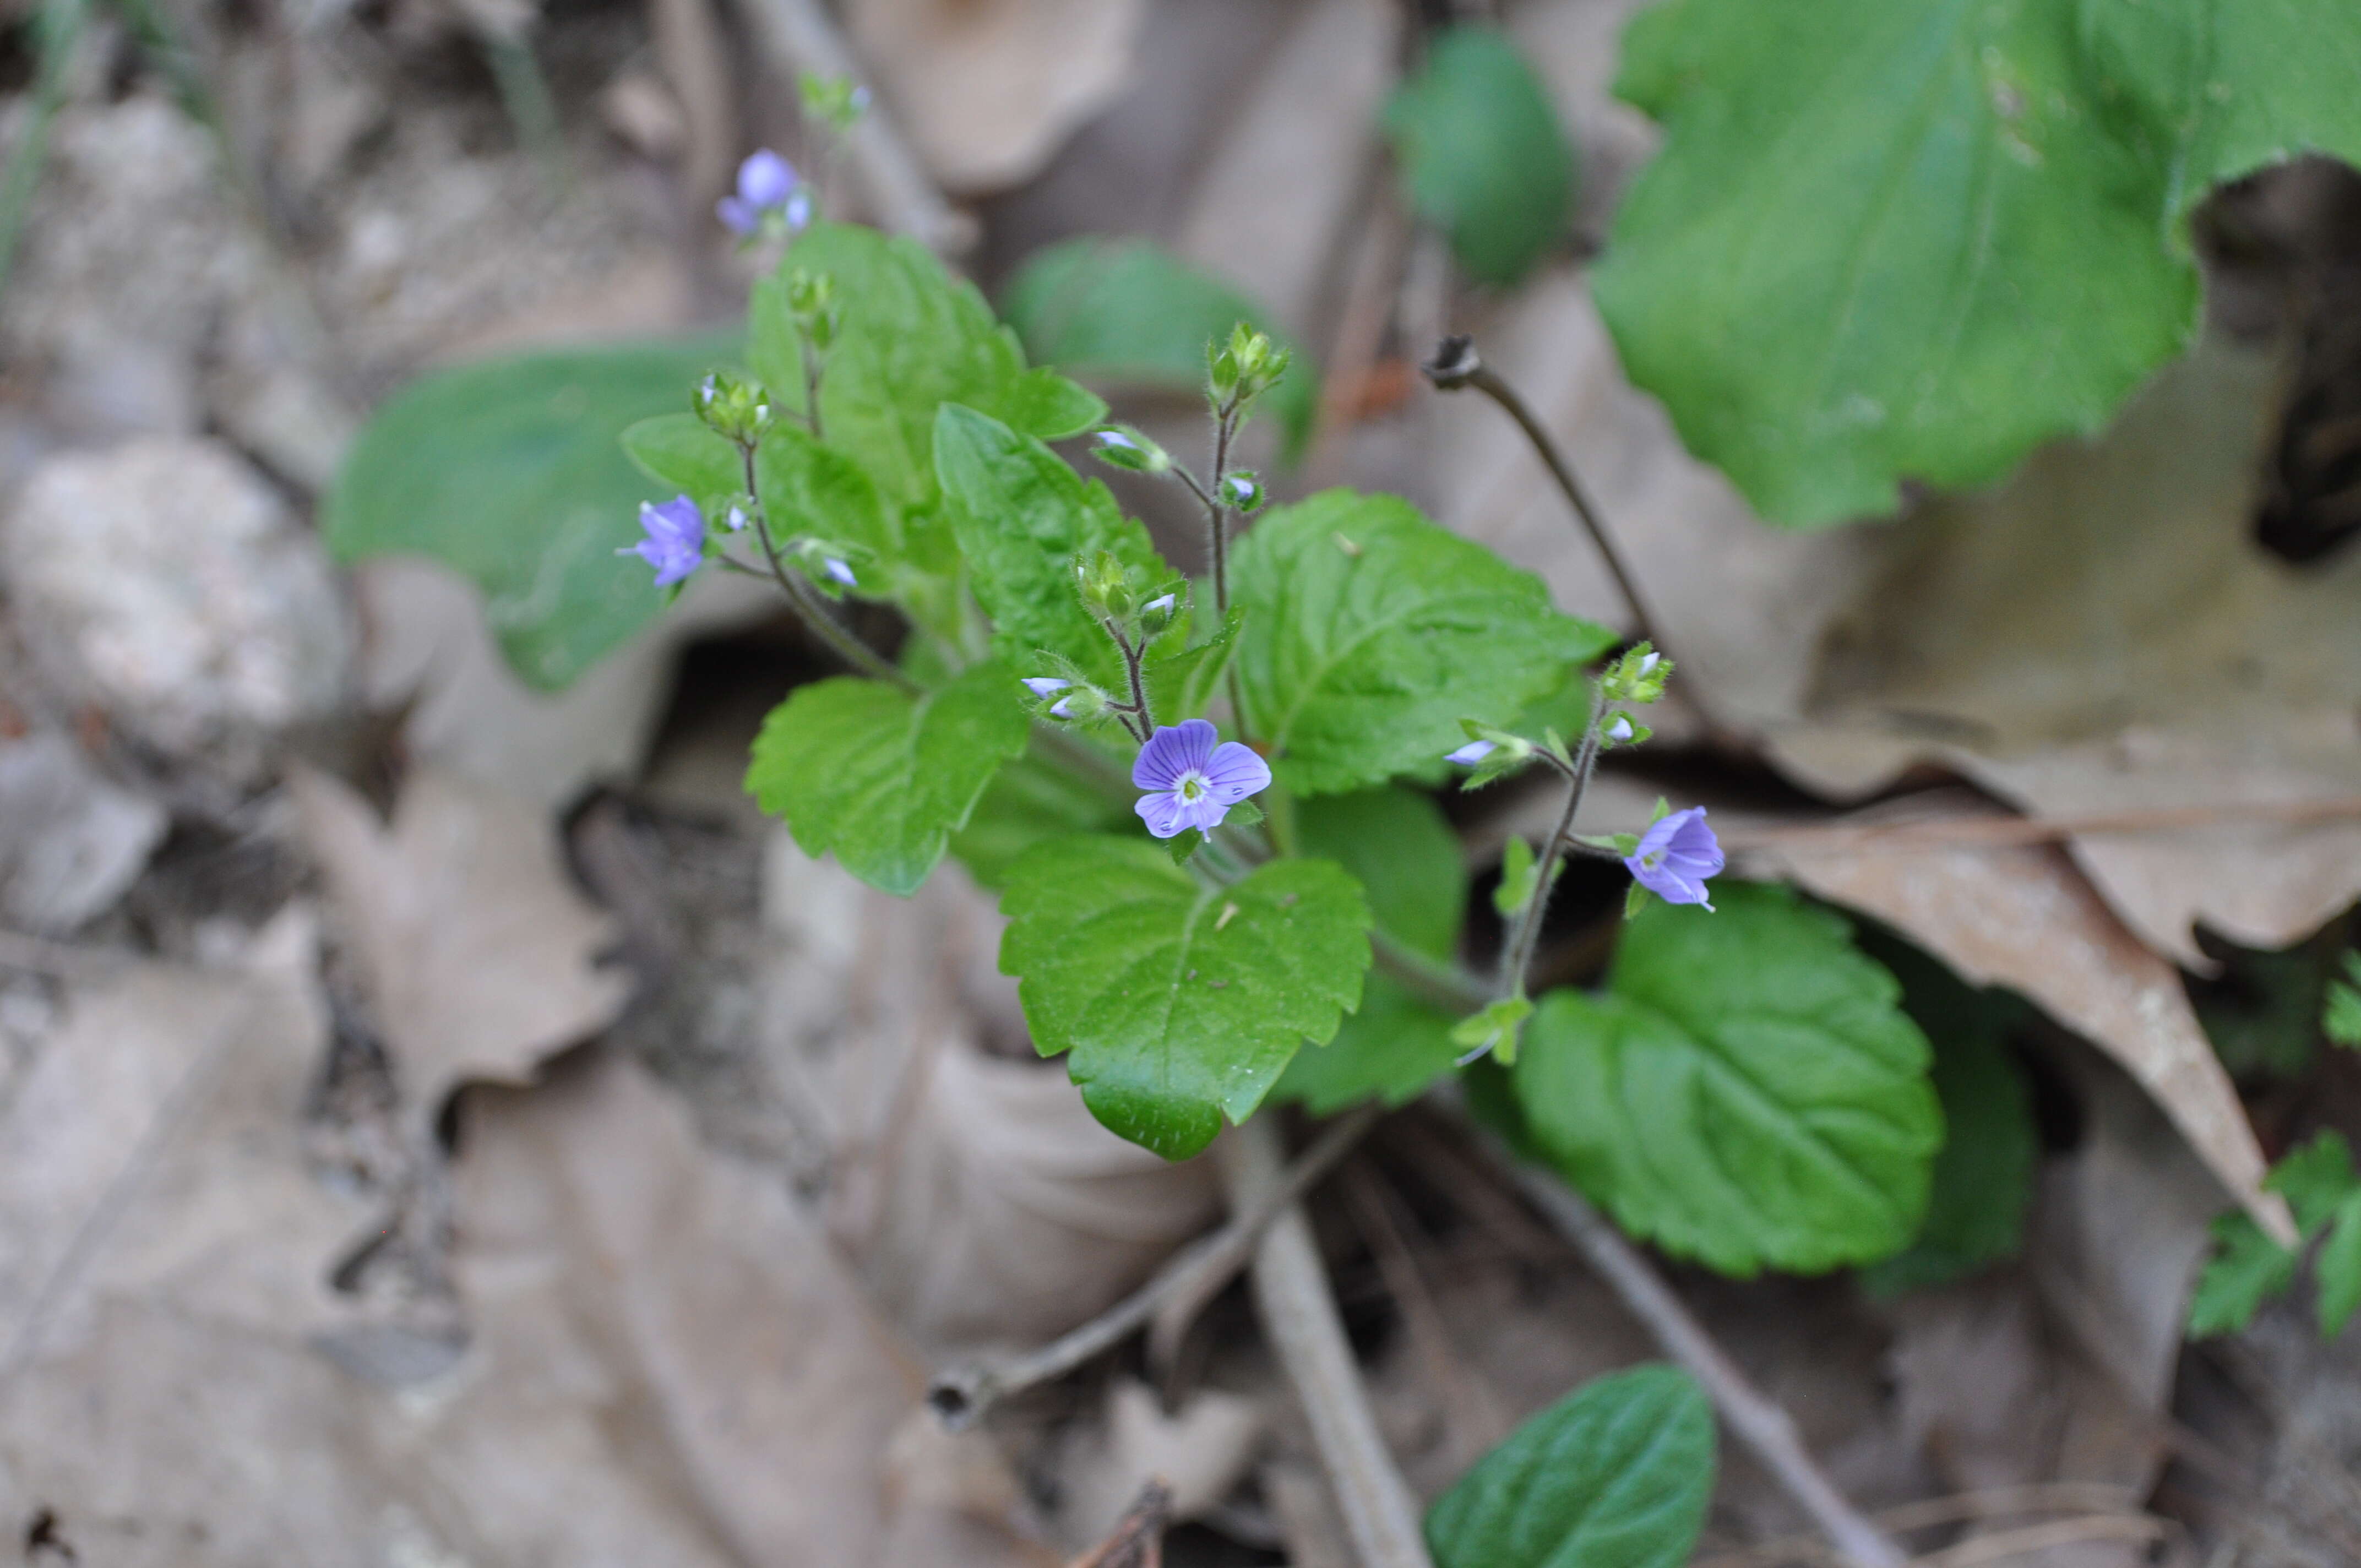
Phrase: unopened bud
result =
(735, 407)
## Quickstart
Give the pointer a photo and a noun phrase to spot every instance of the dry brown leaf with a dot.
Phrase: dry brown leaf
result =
(2025, 917)
(989, 89)
(478, 955)
(1199, 1450)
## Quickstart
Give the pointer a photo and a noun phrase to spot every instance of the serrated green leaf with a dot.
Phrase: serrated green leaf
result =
(1984, 1176)
(681, 453)
(1747, 1093)
(1179, 1002)
(2339, 1268)
(1390, 1052)
(1912, 239)
(913, 337)
(1129, 313)
(1370, 633)
(1481, 152)
(1615, 1476)
(1181, 681)
(881, 777)
(509, 472)
(1022, 517)
(1033, 799)
(2315, 1178)
(2247, 1269)
(1400, 849)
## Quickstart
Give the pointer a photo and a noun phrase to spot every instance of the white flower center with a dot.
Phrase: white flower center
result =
(1191, 786)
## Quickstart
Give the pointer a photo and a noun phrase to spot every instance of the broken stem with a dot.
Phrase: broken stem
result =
(1755, 1420)
(1454, 366)
(1299, 1318)
(963, 1394)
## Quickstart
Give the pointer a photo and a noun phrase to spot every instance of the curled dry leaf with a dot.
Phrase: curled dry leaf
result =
(2025, 917)
(1199, 1453)
(478, 955)
(989, 89)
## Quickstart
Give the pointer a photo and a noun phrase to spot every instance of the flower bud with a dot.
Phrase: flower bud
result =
(1639, 677)
(1121, 446)
(812, 306)
(1105, 587)
(1243, 492)
(1158, 615)
(735, 407)
(827, 563)
(836, 102)
(1621, 729)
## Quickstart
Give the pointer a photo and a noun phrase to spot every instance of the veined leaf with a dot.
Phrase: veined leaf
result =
(509, 472)
(1747, 1093)
(1370, 633)
(2246, 1269)
(1179, 1002)
(1893, 239)
(1390, 1052)
(1400, 849)
(882, 777)
(1617, 1475)
(912, 338)
(1032, 799)
(1022, 517)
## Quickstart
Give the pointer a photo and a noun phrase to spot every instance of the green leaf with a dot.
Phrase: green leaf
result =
(2339, 1268)
(1179, 1002)
(2248, 1268)
(1494, 1029)
(1482, 154)
(1021, 517)
(1984, 1176)
(681, 454)
(1747, 1093)
(1912, 239)
(1521, 874)
(1370, 633)
(1034, 798)
(880, 776)
(509, 472)
(1400, 849)
(2315, 1178)
(1390, 1052)
(913, 337)
(1129, 313)
(1617, 1475)
(1180, 683)
(2340, 1020)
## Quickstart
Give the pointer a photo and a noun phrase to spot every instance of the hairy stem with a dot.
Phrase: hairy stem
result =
(1517, 959)
(1299, 1317)
(808, 605)
(961, 1395)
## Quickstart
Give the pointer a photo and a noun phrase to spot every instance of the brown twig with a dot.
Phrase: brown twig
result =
(1138, 1539)
(1756, 1420)
(1299, 1318)
(962, 1394)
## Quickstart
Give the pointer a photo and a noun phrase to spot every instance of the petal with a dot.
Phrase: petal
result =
(1472, 753)
(765, 179)
(1233, 772)
(1205, 814)
(1045, 686)
(1173, 751)
(1165, 816)
(735, 215)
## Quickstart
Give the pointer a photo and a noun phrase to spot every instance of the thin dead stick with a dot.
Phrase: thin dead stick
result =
(1299, 1318)
(798, 34)
(1752, 1417)
(2009, 832)
(1138, 1539)
(961, 1395)
(2012, 1543)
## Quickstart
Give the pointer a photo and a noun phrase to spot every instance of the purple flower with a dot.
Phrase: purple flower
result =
(766, 183)
(839, 571)
(1191, 782)
(1676, 856)
(1045, 686)
(675, 544)
(1472, 753)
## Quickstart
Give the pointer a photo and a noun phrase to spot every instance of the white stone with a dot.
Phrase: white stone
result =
(165, 583)
(71, 842)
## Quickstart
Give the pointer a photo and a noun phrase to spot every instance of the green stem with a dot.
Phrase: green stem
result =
(808, 606)
(58, 28)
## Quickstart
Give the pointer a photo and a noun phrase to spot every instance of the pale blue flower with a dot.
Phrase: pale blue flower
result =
(675, 544)
(839, 571)
(1045, 686)
(766, 183)
(1472, 753)
(1676, 856)
(1192, 780)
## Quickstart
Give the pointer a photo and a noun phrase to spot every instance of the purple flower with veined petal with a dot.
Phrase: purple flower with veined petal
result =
(1676, 856)
(1191, 782)
(766, 183)
(675, 544)
(1472, 753)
